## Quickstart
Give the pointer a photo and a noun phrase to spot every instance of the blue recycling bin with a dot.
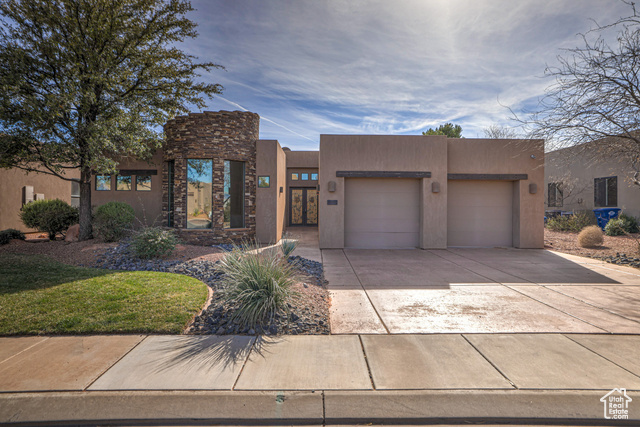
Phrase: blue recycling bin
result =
(603, 215)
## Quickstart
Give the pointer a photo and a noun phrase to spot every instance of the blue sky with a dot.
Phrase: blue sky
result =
(311, 67)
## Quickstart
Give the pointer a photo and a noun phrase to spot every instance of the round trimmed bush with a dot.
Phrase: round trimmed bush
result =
(591, 237)
(113, 220)
(154, 242)
(50, 216)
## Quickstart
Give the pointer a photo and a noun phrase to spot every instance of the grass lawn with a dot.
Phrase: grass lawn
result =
(42, 296)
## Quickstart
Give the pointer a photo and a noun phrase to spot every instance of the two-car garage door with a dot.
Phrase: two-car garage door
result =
(385, 213)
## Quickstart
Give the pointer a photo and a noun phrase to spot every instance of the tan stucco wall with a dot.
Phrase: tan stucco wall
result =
(577, 170)
(270, 202)
(495, 156)
(11, 183)
(383, 153)
(146, 204)
(440, 156)
(302, 159)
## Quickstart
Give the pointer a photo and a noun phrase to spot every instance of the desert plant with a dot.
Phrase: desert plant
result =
(591, 237)
(10, 233)
(288, 245)
(630, 223)
(573, 223)
(259, 283)
(154, 242)
(113, 220)
(50, 216)
(624, 224)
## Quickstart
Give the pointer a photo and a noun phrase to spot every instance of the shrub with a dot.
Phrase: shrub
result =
(590, 237)
(51, 216)
(288, 245)
(630, 223)
(10, 233)
(573, 223)
(259, 283)
(154, 242)
(113, 220)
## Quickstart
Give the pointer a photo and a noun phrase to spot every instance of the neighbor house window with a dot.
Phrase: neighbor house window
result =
(314, 177)
(233, 194)
(294, 177)
(103, 182)
(75, 194)
(305, 177)
(143, 183)
(554, 191)
(263, 182)
(199, 193)
(605, 192)
(123, 182)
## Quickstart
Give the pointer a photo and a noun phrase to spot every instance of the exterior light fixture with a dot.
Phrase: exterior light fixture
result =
(332, 186)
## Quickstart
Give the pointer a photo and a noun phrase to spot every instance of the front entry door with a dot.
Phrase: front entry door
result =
(303, 206)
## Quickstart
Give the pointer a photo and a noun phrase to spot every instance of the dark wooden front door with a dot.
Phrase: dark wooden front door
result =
(303, 206)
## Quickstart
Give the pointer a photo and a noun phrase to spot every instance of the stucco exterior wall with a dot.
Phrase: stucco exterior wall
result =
(496, 156)
(383, 153)
(270, 202)
(11, 183)
(302, 159)
(146, 204)
(577, 171)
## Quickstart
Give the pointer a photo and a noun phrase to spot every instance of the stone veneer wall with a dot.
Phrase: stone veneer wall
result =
(221, 135)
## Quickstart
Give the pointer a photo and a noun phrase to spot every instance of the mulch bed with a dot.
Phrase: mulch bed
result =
(616, 249)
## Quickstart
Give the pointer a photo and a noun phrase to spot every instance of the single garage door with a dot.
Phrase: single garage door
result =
(480, 213)
(381, 213)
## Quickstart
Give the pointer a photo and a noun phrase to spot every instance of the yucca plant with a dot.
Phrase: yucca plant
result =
(258, 282)
(288, 245)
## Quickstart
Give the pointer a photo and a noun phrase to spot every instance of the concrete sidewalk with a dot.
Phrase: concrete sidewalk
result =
(527, 378)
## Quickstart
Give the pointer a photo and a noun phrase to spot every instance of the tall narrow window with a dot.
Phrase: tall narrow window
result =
(554, 191)
(199, 177)
(605, 192)
(233, 194)
(170, 176)
(75, 194)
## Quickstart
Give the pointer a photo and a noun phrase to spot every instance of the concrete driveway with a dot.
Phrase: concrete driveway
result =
(478, 290)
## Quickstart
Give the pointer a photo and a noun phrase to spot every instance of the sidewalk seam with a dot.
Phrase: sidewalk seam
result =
(28, 348)
(490, 362)
(599, 355)
(244, 363)
(114, 363)
(366, 360)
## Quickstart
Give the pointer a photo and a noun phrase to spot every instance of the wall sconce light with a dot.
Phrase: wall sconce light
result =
(332, 186)
(281, 189)
(533, 188)
(435, 187)
(533, 156)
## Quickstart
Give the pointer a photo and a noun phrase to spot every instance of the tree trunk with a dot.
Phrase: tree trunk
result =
(85, 204)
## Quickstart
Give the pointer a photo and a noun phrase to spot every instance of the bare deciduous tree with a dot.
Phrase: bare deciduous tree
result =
(500, 132)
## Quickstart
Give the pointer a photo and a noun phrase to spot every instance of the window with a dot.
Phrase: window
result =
(143, 183)
(314, 177)
(103, 182)
(554, 191)
(304, 177)
(233, 194)
(199, 193)
(605, 192)
(263, 182)
(75, 194)
(294, 176)
(123, 182)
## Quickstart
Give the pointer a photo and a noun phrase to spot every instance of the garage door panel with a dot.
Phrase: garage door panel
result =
(382, 213)
(480, 213)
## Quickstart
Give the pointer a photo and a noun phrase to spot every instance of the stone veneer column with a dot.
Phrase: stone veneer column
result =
(220, 136)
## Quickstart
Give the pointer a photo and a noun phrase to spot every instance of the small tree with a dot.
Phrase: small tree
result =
(500, 132)
(448, 129)
(87, 81)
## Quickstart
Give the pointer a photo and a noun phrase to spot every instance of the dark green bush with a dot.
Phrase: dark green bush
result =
(51, 216)
(622, 225)
(153, 242)
(113, 220)
(573, 223)
(10, 233)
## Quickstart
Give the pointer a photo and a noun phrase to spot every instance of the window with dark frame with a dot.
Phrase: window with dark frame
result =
(233, 206)
(554, 195)
(143, 182)
(314, 177)
(304, 177)
(103, 182)
(605, 192)
(294, 176)
(263, 182)
(123, 182)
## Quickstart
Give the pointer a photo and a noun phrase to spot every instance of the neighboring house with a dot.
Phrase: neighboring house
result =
(18, 187)
(215, 181)
(575, 182)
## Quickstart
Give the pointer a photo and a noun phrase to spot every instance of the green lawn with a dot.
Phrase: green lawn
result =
(42, 296)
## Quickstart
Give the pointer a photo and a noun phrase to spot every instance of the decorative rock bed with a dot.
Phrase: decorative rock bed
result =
(307, 314)
(621, 259)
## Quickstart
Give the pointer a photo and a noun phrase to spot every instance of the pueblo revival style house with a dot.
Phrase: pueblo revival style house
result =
(215, 181)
